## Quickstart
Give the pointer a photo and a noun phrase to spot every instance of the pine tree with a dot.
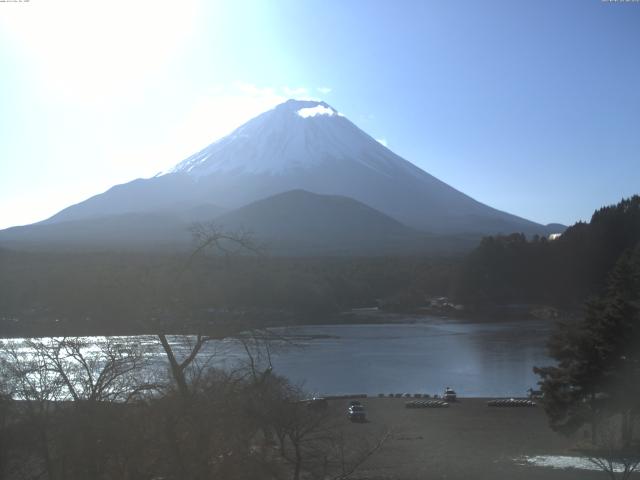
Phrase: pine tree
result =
(598, 360)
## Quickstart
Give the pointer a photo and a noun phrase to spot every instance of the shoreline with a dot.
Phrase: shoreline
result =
(230, 324)
(354, 317)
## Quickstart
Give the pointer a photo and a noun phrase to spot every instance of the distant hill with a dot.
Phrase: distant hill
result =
(300, 222)
(290, 223)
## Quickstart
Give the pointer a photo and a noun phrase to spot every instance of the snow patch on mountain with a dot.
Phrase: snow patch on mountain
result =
(317, 110)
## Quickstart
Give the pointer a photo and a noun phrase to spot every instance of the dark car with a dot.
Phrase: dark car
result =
(356, 413)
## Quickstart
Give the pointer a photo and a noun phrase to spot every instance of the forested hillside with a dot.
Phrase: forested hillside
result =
(111, 292)
(512, 269)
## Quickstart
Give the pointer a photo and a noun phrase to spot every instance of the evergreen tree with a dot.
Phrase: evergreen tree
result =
(598, 360)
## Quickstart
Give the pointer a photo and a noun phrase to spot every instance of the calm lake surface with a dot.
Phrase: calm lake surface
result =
(483, 360)
(476, 359)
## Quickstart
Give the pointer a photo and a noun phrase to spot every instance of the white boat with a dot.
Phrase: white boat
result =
(449, 395)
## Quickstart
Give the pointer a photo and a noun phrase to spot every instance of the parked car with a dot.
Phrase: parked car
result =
(356, 413)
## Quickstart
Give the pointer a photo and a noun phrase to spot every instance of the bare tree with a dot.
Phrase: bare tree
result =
(347, 454)
(179, 369)
(611, 452)
(314, 440)
(206, 236)
(37, 385)
(71, 394)
(105, 371)
(211, 236)
(213, 427)
(6, 407)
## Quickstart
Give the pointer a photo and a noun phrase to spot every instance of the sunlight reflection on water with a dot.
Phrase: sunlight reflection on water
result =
(477, 359)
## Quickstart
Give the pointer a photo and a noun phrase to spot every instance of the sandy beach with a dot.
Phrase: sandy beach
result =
(467, 440)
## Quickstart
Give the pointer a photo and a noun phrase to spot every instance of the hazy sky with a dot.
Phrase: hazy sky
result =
(529, 106)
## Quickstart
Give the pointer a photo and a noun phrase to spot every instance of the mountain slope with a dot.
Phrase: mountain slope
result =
(127, 231)
(290, 223)
(305, 145)
(165, 229)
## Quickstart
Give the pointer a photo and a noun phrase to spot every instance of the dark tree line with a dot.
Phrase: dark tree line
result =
(120, 293)
(565, 271)
(596, 380)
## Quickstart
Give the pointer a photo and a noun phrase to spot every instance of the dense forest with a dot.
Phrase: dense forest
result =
(74, 293)
(91, 293)
(565, 271)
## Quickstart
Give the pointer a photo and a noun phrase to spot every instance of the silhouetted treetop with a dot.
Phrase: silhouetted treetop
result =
(567, 270)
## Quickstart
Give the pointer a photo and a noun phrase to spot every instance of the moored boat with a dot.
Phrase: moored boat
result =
(449, 395)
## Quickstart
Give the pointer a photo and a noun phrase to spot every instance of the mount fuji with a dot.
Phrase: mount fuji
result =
(297, 146)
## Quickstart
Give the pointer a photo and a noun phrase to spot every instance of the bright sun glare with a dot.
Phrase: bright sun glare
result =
(96, 51)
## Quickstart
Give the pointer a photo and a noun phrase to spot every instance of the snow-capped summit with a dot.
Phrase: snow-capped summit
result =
(297, 134)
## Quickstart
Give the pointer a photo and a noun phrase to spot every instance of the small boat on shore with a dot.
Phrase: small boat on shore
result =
(511, 402)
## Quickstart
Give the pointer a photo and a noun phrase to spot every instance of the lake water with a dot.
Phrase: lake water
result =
(476, 359)
(486, 360)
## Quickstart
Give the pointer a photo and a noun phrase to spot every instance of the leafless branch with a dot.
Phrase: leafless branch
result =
(211, 236)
